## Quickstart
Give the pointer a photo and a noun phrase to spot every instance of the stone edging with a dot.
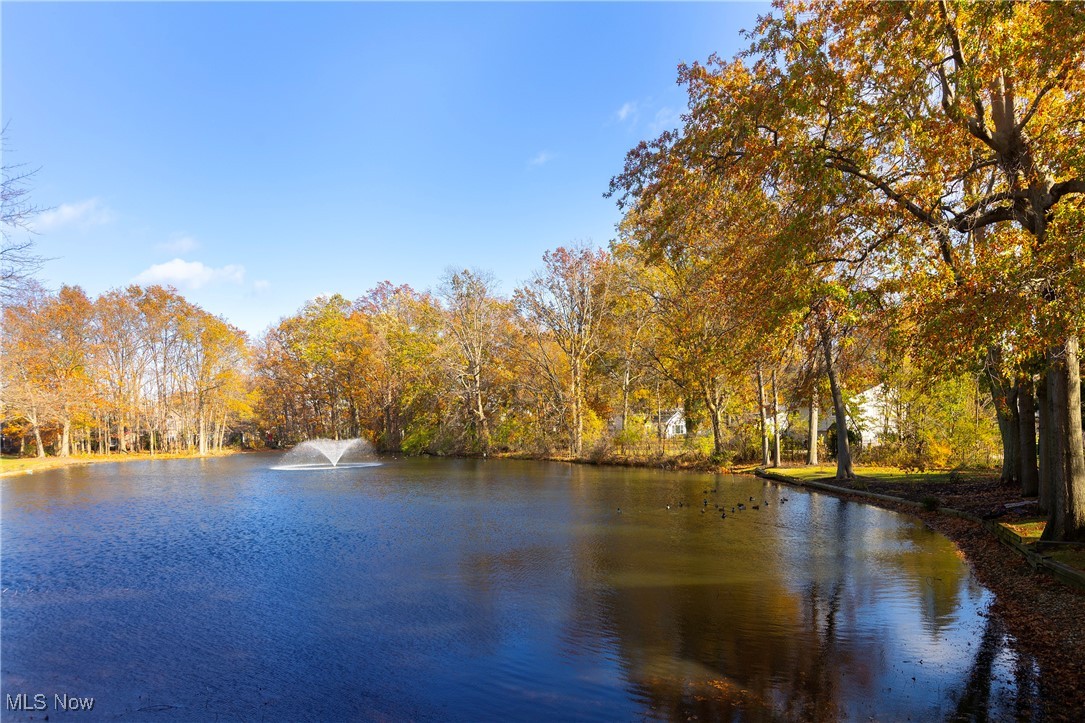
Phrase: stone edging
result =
(1065, 573)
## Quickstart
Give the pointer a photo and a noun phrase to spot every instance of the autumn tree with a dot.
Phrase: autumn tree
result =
(408, 358)
(626, 357)
(475, 319)
(568, 303)
(27, 389)
(961, 117)
(65, 333)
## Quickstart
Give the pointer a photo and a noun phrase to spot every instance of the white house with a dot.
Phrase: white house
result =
(672, 421)
(876, 421)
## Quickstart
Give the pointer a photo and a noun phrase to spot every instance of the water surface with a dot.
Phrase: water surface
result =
(435, 589)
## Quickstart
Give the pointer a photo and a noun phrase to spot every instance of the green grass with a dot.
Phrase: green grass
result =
(1073, 557)
(881, 474)
(1029, 531)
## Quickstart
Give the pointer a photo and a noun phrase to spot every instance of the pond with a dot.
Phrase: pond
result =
(481, 590)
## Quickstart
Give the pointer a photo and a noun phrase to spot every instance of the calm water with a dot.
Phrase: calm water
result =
(432, 589)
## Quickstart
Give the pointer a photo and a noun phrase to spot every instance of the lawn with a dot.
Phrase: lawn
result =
(827, 473)
(29, 465)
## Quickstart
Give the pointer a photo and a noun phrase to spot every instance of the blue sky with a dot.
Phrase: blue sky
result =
(257, 155)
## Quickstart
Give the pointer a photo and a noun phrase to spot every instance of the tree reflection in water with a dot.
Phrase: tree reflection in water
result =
(843, 611)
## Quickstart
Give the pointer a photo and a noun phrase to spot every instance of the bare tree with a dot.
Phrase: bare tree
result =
(570, 301)
(475, 317)
(18, 262)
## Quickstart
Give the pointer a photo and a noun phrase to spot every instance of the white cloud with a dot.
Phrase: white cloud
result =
(190, 274)
(261, 285)
(666, 119)
(540, 158)
(627, 110)
(82, 214)
(179, 244)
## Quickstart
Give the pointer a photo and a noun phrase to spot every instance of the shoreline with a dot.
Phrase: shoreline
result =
(1044, 613)
(32, 465)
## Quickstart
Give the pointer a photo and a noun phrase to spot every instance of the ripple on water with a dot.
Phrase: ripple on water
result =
(469, 589)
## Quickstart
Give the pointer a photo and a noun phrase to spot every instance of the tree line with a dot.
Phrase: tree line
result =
(134, 369)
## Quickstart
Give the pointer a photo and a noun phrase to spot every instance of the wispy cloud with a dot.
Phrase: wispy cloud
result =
(190, 274)
(627, 110)
(179, 244)
(666, 119)
(541, 158)
(261, 285)
(82, 214)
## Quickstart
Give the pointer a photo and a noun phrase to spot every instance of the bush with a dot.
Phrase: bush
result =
(633, 436)
(724, 458)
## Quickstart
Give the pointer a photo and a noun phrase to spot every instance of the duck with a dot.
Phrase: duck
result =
(756, 507)
(741, 506)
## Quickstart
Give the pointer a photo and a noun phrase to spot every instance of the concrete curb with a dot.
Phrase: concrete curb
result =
(1036, 560)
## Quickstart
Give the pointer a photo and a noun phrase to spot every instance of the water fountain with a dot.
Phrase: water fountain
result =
(328, 454)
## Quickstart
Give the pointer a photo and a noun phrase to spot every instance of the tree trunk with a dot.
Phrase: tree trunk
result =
(1008, 429)
(626, 380)
(812, 443)
(1026, 408)
(480, 413)
(714, 413)
(203, 431)
(1004, 394)
(66, 438)
(1067, 515)
(844, 469)
(1066, 518)
(222, 431)
(1043, 420)
(37, 438)
(122, 443)
(775, 423)
(660, 436)
(578, 420)
(761, 414)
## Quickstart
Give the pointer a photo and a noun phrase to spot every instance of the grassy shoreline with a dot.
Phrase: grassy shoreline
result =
(13, 466)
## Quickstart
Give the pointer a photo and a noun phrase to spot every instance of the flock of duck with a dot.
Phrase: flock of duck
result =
(722, 509)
